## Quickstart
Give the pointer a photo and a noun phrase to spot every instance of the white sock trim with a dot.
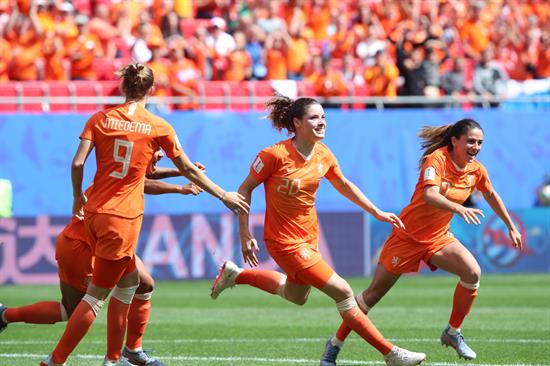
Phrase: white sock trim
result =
(452, 330)
(64, 315)
(124, 294)
(346, 305)
(134, 350)
(281, 288)
(146, 296)
(336, 342)
(470, 286)
(362, 304)
(94, 303)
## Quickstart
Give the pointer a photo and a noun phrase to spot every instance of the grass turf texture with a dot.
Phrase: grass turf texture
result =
(509, 325)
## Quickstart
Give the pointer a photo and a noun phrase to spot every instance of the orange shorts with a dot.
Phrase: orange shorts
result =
(401, 256)
(112, 237)
(74, 261)
(107, 273)
(304, 266)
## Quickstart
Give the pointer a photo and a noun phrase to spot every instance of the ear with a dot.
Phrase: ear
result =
(297, 122)
(152, 90)
(454, 141)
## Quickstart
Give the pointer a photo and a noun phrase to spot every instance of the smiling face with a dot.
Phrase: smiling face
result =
(466, 147)
(312, 126)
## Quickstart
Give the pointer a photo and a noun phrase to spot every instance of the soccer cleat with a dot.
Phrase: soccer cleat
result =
(402, 357)
(3, 324)
(48, 361)
(140, 358)
(120, 362)
(330, 355)
(225, 278)
(457, 342)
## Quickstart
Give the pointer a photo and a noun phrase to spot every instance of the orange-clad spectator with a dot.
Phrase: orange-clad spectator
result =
(239, 66)
(183, 76)
(160, 67)
(330, 83)
(318, 16)
(298, 55)
(475, 33)
(314, 69)
(543, 61)
(84, 50)
(276, 48)
(272, 22)
(45, 17)
(170, 24)
(53, 51)
(65, 25)
(382, 76)
(222, 43)
(294, 14)
(200, 53)
(5, 55)
(342, 39)
(100, 25)
(129, 10)
(184, 8)
(24, 33)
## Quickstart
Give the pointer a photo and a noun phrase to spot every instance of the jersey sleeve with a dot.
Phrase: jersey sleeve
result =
(333, 172)
(264, 165)
(431, 171)
(483, 183)
(168, 141)
(88, 131)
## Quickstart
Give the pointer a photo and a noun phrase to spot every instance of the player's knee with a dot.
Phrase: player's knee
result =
(146, 285)
(298, 300)
(472, 275)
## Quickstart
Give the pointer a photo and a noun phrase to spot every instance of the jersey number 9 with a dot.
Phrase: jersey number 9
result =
(127, 147)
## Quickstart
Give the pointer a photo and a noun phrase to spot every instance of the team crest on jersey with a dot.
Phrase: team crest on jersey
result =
(258, 165)
(429, 173)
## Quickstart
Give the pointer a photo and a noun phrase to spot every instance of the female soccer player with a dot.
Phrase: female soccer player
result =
(448, 175)
(125, 138)
(291, 171)
(75, 267)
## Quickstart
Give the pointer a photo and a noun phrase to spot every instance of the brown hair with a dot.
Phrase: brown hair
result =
(434, 138)
(137, 79)
(283, 110)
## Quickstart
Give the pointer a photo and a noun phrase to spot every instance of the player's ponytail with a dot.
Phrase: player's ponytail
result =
(434, 138)
(282, 111)
(137, 79)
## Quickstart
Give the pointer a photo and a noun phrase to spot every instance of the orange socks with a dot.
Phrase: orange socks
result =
(117, 318)
(463, 300)
(269, 281)
(138, 317)
(360, 323)
(343, 332)
(45, 312)
(79, 323)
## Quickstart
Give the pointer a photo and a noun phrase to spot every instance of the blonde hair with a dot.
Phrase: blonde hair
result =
(137, 79)
(434, 138)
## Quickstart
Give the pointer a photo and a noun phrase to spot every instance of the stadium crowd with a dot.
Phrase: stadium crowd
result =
(389, 48)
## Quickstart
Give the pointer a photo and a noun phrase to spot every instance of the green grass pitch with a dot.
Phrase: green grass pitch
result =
(509, 325)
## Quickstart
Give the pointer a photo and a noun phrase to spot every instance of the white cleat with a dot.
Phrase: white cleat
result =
(123, 361)
(225, 278)
(402, 357)
(48, 362)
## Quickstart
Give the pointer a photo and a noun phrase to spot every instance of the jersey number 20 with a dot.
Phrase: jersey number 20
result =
(126, 146)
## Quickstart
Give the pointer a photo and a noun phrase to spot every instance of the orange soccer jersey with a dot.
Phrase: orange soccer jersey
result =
(291, 183)
(125, 139)
(426, 224)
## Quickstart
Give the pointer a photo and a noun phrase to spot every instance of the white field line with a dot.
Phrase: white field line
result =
(257, 359)
(287, 340)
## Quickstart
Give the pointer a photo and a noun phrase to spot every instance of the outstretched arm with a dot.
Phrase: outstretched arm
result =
(249, 245)
(156, 187)
(496, 203)
(354, 194)
(77, 174)
(434, 198)
(232, 200)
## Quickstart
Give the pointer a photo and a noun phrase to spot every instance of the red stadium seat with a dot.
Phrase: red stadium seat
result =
(242, 91)
(36, 89)
(60, 89)
(261, 91)
(89, 89)
(214, 89)
(10, 91)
